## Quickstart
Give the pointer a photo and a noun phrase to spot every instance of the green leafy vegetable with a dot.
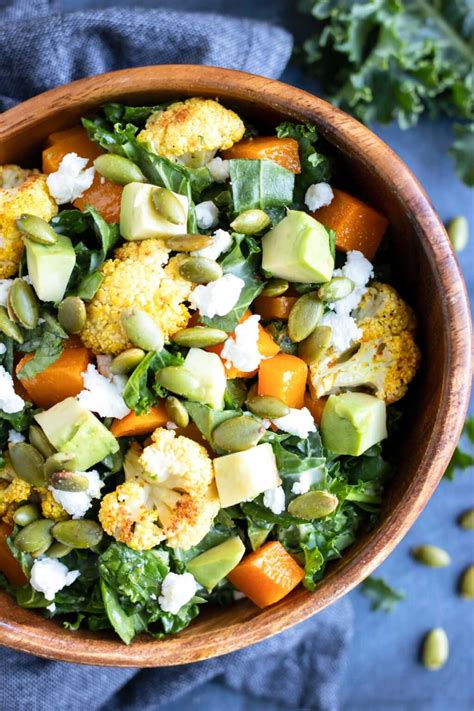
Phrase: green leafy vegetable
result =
(315, 167)
(260, 184)
(206, 419)
(141, 390)
(461, 459)
(463, 152)
(384, 596)
(130, 114)
(47, 342)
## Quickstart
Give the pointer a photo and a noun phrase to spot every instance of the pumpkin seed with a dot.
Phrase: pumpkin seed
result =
(72, 314)
(119, 169)
(35, 536)
(58, 462)
(24, 304)
(279, 333)
(142, 330)
(58, 550)
(178, 380)
(467, 520)
(27, 463)
(127, 361)
(168, 205)
(337, 288)
(458, 232)
(304, 316)
(200, 270)
(199, 337)
(267, 406)
(8, 327)
(36, 229)
(432, 556)
(466, 586)
(313, 505)
(78, 534)
(435, 650)
(315, 345)
(236, 392)
(250, 222)
(176, 411)
(39, 440)
(238, 434)
(26, 514)
(188, 243)
(10, 309)
(69, 481)
(275, 287)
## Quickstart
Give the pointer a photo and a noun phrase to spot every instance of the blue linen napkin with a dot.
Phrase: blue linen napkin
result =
(40, 48)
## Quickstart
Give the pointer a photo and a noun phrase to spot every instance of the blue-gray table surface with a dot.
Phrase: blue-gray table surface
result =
(382, 671)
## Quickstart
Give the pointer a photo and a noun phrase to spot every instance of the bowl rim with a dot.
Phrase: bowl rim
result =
(231, 85)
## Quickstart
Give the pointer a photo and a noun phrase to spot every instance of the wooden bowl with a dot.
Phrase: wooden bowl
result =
(428, 273)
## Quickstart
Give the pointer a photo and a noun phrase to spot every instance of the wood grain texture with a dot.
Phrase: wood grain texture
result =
(428, 274)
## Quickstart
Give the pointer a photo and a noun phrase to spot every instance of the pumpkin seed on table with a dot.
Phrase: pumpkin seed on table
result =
(26, 514)
(466, 585)
(36, 536)
(304, 316)
(36, 229)
(435, 650)
(179, 380)
(58, 462)
(168, 206)
(250, 222)
(275, 287)
(312, 348)
(467, 520)
(119, 169)
(82, 533)
(58, 550)
(432, 556)
(69, 481)
(200, 270)
(313, 505)
(188, 243)
(267, 406)
(176, 411)
(238, 434)
(458, 232)
(9, 327)
(72, 314)
(142, 330)
(127, 361)
(39, 440)
(337, 288)
(199, 337)
(27, 463)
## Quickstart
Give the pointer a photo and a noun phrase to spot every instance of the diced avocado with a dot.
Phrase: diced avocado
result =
(139, 219)
(245, 475)
(353, 422)
(208, 369)
(213, 565)
(73, 429)
(50, 266)
(298, 249)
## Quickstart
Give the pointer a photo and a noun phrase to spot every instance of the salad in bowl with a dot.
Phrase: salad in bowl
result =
(201, 352)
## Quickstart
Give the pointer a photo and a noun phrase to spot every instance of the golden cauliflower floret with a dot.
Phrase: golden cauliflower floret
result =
(20, 191)
(49, 506)
(136, 278)
(192, 131)
(12, 495)
(382, 310)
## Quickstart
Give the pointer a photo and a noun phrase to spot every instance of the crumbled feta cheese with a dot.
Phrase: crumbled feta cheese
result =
(237, 595)
(176, 591)
(241, 351)
(49, 576)
(221, 242)
(206, 214)
(171, 426)
(274, 499)
(297, 422)
(218, 297)
(15, 437)
(3, 348)
(102, 395)
(52, 607)
(344, 330)
(77, 503)
(266, 423)
(318, 195)
(71, 180)
(219, 170)
(5, 285)
(9, 400)
(359, 270)
(302, 485)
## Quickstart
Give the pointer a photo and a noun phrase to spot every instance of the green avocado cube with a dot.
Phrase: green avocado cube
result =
(139, 219)
(210, 567)
(50, 267)
(353, 422)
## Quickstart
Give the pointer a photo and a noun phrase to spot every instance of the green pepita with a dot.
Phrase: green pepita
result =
(119, 169)
(26, 514)
(178, 380)
(36, 229)
(432, 556)
(142, 330)
(35, 537)
(199, 337)
(58, 550)
(458, 232)
(188, 243)
(8, 327)
(435, 650)
(466, 585)
(168, 205)
(39, 440)
(312, 349)
(78, 534)
(58, 462)
(176, 411)
(238, 434)
(467, 520)
(250, 222)
(337, 288)
(275, 287)
(127, 361)
(27, 463)
(304, 316)
(235, 392)
(267, 406)
(24, 304)
(69, 481)
(279, 333)
(200, 270)
(72, 314)
(313, 505)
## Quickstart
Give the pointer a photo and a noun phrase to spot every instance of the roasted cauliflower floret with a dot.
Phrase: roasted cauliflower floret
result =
(20, 191)
(169, 494)
(192, 131)
(49, 506)
(137, 278)
(12, 494)
(386, 358)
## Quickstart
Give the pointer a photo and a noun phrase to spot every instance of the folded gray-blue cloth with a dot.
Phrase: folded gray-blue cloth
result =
(40, 48)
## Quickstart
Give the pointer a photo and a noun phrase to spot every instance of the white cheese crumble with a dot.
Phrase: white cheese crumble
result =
(49, 576)
(206, 214)
(171, 425)
(221, 242)
(344, 330)
(237, 595)
(218, 297)
(318, 195)
(15, 437)
(71, 180)
(102, 395)
(274, 499)
(77, 503)
(176, 591)
(241, 351)
(52, 607)
(9, 400)
(3, 348)
(219, 170)
(297, 422)
(359, 270)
